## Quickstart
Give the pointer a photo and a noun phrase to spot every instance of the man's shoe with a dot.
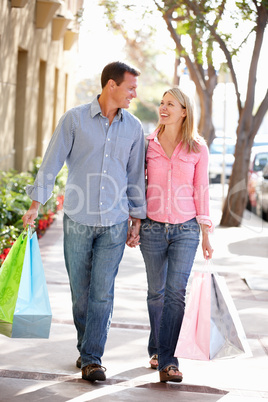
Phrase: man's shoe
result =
(94, 372)
(78, 362)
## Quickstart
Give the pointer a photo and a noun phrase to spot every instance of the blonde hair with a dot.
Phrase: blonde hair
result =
(190, 137)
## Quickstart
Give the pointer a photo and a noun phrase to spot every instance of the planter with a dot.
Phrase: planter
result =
(59, 26)
(18, 3)
(45, 9)
(69, 38)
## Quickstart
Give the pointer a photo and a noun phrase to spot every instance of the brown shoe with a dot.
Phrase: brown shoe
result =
(166, 376)
(78, 362)
(94, 372)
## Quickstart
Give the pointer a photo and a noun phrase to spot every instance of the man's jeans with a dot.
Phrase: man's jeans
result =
(168, 251)
(92, 256)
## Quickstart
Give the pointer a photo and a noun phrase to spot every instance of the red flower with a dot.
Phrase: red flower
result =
(6, 251)
(59, 202)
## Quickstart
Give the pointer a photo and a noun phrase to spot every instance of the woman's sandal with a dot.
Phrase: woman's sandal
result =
(154, 362)
(165, 376)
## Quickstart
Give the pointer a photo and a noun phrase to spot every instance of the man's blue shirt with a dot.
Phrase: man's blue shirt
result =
(105, 166)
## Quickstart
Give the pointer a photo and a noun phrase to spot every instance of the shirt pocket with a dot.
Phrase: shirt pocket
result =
(184, 165)
(155, 161)
(122, 148)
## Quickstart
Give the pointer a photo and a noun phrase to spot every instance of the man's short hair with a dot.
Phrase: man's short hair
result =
(116, 71)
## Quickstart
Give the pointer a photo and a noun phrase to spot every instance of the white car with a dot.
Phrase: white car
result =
(262, 195)
(216, 156)
(258, 160)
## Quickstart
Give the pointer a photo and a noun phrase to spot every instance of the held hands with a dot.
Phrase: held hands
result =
(133, 232)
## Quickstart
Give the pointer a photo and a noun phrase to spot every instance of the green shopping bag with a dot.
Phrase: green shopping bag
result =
(10, 276)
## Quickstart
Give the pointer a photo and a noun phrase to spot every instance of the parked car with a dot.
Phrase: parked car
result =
(216, 151)
(262, 195)
(258, 160)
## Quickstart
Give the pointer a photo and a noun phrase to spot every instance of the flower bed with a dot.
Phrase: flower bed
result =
(14, 202)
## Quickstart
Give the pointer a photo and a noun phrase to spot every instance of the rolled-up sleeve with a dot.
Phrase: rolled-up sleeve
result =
(201, 189)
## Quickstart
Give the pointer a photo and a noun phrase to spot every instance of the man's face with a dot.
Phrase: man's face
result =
(126, 91)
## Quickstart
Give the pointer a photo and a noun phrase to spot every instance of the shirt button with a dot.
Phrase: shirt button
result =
(105, 171)
(102, 188)
(106, 155)
(108, 139)
(101, 203)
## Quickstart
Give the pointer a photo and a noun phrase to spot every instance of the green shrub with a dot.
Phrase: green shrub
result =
(14, 202)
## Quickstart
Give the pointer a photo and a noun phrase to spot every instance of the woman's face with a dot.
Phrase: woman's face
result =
(171, 111)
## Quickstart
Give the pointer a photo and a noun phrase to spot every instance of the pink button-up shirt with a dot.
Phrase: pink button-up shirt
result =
(178, 187)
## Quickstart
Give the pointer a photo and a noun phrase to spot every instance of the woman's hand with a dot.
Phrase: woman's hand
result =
(206, 246)
(207, 249)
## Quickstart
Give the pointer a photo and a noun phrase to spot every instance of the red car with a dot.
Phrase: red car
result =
(258, 160)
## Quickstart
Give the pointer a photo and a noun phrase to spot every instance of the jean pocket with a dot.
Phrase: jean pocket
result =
(146, 224)
(191, 226)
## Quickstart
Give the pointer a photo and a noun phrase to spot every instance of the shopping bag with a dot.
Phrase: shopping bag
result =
(32, 314)
(211, 326)
(194, 338)
(228, 337)
(10, 275)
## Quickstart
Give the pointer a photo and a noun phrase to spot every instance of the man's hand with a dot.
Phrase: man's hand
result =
(133, 232)
(31, 214)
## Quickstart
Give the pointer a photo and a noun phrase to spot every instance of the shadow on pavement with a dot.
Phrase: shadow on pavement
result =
(256, 246)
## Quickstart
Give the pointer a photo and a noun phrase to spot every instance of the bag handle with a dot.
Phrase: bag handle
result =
(27, 231)
(207, 267)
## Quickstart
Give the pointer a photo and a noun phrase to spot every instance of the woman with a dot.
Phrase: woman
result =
(177, 207)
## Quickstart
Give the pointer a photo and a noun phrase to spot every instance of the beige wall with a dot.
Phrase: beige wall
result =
(34, 70)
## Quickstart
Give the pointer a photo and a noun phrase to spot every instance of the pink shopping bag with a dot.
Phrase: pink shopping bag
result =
(194, 339)
(211, 327)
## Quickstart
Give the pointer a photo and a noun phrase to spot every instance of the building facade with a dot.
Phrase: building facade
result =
(38, 58)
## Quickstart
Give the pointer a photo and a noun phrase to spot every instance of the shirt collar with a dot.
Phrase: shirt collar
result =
(153, 136)
(96, 109)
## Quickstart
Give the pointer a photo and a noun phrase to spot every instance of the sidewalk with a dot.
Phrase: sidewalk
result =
(41, 369)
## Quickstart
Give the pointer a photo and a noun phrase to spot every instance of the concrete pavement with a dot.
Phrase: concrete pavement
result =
(44, 369)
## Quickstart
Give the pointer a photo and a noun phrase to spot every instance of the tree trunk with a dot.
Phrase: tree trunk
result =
(205, 125)
(176, 77)
(248, 126)
(236, 200)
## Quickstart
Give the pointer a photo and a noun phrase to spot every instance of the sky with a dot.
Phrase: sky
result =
(99, 46)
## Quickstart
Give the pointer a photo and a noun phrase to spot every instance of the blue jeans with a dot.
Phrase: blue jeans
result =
(92, 256)
(168, 251)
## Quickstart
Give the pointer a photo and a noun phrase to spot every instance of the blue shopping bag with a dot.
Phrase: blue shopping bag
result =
(32, 316)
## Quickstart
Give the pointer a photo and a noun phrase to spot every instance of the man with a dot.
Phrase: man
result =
(103, 146)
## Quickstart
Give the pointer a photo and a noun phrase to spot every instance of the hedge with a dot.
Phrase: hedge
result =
(14, 202)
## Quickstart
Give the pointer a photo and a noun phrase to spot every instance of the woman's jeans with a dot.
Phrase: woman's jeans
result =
(92, 256)
(168, 251)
